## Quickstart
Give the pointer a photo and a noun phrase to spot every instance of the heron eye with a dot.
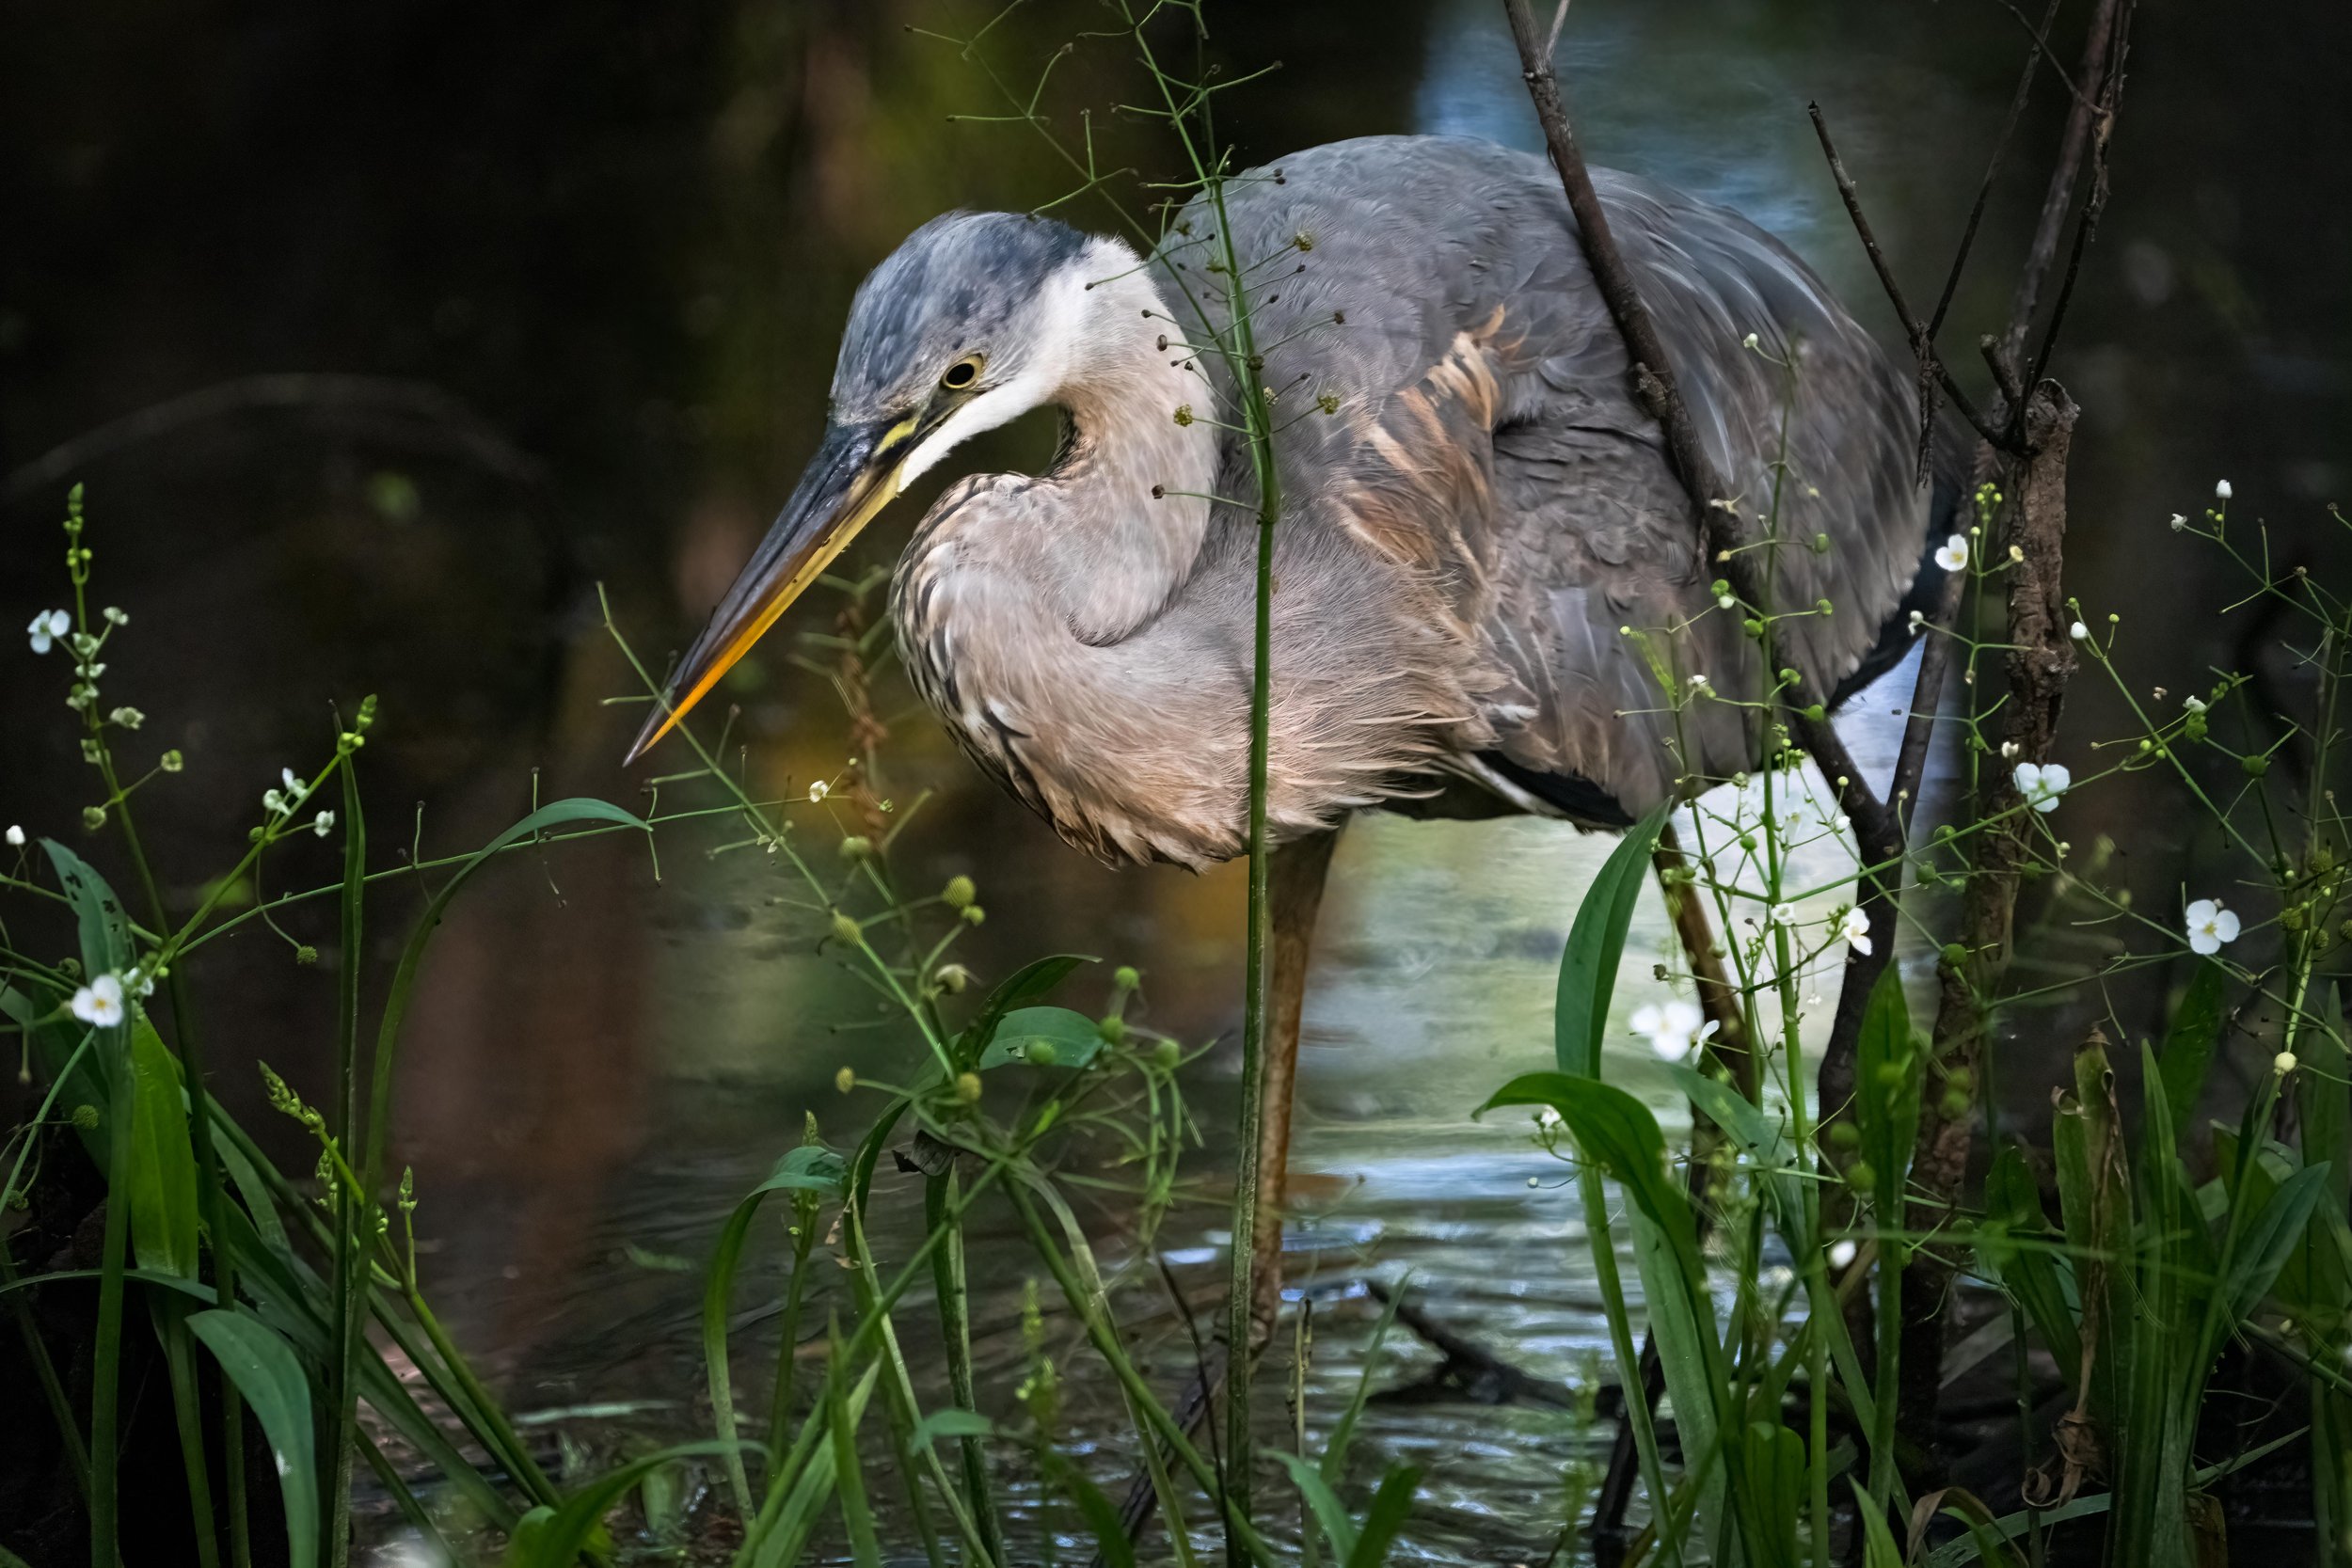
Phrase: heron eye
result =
(962, 375)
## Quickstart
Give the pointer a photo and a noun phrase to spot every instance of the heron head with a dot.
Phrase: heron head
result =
(970, 324)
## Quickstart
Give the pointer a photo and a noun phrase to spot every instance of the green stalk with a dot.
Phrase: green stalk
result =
(169, 1312)
(1105, 1341)
(899, 1408)
(348, 1318)
(208, 1188)
(955, 1328)
(1604, 1249)
(788, 1333)
(106, 1356)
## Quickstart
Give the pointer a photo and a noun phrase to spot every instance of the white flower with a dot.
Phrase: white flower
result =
(324, 825)
(1672, 1027)
(295, 789)
(138, 981)
(1725, 601)
(2078, 631)
(2221, 489)
(100, 1003)
(273, 802)
(1840, 1254)
(817, 791)
(16, 836)
(2178, 523)
(116, 617)
(1748, 341)
(1856, 929)
(2194, 705)
(2210, 927)
(129, 718)
(2043, 785)
(1547, 1118)
(1919, 622)
(1782, 914)
(1699, 683)
(1953, 557)
(2283, 1063)
(2010, 750)
(47, 627)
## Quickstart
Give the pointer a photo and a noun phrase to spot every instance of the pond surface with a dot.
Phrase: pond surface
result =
(584, 277)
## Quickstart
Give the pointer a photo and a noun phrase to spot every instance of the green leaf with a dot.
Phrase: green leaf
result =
(1886, 1093)
(1102, 1516)
(1879, 1549)
(2013, 1212)
(2189, 1044)
(1588, 970)
(810, 1167)
(1044, 1037)
(104, 929)
(1322, 1502)
(857, 1515)
(556, 1537)
(163, 1168)
(1389, 1505)
(1026, 984)
(2273, 1233)
(950, 1422)
(266, 1373)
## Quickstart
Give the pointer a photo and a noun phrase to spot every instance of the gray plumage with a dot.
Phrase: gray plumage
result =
(1461, 540)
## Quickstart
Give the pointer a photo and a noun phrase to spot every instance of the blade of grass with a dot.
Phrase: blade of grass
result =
(271, 1380)
(857, 1515)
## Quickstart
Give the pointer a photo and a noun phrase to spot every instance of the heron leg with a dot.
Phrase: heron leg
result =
(1296, 878)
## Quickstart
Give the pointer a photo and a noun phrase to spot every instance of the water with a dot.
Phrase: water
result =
(625, 242)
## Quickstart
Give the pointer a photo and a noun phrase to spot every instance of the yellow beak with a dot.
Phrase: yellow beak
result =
(853, 476)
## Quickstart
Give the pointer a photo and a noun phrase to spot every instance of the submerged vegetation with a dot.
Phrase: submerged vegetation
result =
(1804, 1290)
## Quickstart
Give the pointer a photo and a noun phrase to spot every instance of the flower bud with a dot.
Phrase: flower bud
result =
(171, 761)
(952, 978)
(2283, 1063)
(974, 914)
(845, 930)
(93, 818)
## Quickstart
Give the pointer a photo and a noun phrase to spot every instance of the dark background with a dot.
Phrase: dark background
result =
(563, 286)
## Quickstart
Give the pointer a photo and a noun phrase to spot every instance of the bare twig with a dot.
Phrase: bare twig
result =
(2060, 197)
(1922, 343)
(1991, 172)
(1721, 526)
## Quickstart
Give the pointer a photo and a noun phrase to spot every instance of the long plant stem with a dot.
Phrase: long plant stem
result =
(349, 1316)
(209, 1198)
(106, 1364)
(955, 1328)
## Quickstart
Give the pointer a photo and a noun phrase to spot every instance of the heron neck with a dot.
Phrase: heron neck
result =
(1131, 489)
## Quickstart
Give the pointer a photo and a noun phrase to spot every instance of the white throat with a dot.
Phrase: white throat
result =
(1129, 507)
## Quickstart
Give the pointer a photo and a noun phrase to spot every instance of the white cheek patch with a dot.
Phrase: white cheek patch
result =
(1059, 317)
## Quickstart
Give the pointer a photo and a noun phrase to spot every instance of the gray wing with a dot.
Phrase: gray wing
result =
(1489, 458)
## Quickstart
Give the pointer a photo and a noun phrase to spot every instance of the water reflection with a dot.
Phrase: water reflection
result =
(626, 244)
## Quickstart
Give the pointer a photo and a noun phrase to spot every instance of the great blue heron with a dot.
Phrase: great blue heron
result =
(1474, 504)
